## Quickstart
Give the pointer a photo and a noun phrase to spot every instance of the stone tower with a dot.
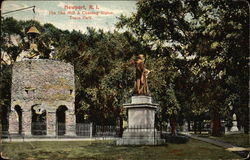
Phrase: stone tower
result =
(42, 87)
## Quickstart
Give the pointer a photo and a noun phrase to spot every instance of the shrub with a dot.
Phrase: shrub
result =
(178, 139)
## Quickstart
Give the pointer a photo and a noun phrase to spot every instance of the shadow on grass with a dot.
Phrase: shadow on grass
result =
(175, 139)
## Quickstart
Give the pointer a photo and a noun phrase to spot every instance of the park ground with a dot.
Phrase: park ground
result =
(241, 140)
(107, 150)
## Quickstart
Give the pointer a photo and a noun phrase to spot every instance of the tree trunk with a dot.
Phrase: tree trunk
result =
(121, 126)
(195, 126)
(246, 125)
(200, 126)
(188, 125)
(160, 127)
(216, 124)
(1, 115)
(173, 125)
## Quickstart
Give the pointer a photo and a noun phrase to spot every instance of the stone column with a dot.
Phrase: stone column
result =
(70, 123)
(51, 123)
(185, 126)
(234, 127)
(13, 122)
(26, 122)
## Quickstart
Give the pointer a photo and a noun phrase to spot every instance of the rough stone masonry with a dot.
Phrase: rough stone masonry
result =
(42, 85)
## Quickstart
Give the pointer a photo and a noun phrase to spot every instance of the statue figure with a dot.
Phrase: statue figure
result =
(141, 87)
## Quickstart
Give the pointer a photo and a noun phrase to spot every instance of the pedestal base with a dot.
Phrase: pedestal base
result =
(234, 127)
(140, 137)
(141, 122)
(124, 141)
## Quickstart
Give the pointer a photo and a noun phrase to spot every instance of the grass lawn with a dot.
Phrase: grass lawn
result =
(105, 150)
(240, 139)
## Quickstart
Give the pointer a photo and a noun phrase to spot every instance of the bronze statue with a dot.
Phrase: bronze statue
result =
(141, 87)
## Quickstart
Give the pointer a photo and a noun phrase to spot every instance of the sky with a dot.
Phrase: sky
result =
(71, 15)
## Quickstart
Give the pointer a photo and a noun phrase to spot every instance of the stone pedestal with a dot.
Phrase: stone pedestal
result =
(234, 127)
(141, 122)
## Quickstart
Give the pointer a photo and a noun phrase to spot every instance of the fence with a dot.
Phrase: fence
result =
(200, 127)
(141, 132)
(84, 130)
(80, 130)
(38, 128)
(141, 135)
(4, 132)
(106, 131)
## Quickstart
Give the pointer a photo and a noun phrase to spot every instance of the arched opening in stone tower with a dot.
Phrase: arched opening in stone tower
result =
(4, 119)
(38, 123)
(18, 110)
(61, 120)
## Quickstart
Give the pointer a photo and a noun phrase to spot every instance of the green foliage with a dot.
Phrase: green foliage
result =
(5, 85)
(11, 29)
(103, 71)
(161, 84)
(207, 42)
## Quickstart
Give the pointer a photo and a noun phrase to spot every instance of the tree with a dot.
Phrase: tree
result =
(200, 35)
(11, 30)
(216, 49)
(161, 87)
(101, 61)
